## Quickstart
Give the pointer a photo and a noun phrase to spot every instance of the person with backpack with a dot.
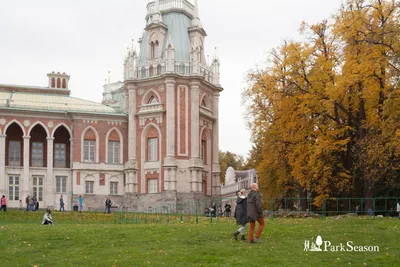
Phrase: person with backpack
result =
(3, 203)
(240, 213)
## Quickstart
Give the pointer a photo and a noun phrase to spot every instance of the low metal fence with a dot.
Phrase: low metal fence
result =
(214, 210)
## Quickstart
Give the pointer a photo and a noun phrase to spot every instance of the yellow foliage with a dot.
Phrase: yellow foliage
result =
(326, 112)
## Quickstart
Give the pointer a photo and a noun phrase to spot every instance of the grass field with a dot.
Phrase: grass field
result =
(92, 239)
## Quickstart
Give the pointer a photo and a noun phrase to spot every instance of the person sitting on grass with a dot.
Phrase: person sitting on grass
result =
(47, 219)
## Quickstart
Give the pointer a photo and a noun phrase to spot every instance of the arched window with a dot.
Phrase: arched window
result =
(58, 83)
(151, 71)
(153, 100)
(203, 103)
(53, 82)
(159, 70)
(152, 50)
(143, 72)
(64, 84)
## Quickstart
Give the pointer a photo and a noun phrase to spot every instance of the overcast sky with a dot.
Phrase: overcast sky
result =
(88, 38)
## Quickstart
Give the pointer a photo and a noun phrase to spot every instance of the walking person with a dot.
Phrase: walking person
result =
(108, 205)
(3, 203)
(34, 199)
(240, 213)
(80, 200)
(47, 219)
(398, 209)
(62, 204)
(27, 202)
(31, 204)
(255, 213)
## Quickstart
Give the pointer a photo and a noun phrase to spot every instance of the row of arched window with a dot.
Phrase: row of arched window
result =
(60, 83)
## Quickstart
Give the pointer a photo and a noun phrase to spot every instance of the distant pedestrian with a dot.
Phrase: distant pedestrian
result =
(227, 208)
(240, 213)
(255, 213)
(108, 205)
(20, 204)
(3, 203)
(80, 200)
(47, 219)
(31, 204)
(34, 199)
(62, 203)
(398, 209)
(27, 202)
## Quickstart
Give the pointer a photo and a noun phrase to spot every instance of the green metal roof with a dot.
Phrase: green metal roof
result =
(178, 25)
(52, 102)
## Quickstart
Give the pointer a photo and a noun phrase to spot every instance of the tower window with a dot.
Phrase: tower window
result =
(58, 83)
(153, 100)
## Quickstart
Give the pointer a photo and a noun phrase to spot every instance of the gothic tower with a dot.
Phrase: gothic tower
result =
(171, 93)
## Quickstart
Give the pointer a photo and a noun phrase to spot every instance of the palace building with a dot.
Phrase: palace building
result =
(152, 140)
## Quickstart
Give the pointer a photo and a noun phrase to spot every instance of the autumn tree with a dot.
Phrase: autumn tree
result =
(325, 112)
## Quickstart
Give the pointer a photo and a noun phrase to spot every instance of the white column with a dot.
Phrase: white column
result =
(25, 178)
(49, 195)
(170, 160)
(216, 129)
(132, 123)
(170, 102)
(3, 164)
(216, 169)
(194, 119)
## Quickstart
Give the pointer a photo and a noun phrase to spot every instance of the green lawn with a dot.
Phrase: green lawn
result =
(92, 239)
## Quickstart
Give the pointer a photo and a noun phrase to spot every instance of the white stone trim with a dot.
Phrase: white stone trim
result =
(17, 122)
(121, 144)
(143, 155)
(184, 87)
(149, 91)
(39, 123)
(97, 143)
(58, 126)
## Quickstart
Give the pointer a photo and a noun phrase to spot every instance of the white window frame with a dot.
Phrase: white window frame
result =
(13, 187)
(60, 155)
(89, 150)
(152, 186)
(37, 154)
(61, 184)
(113, 152)
(152, 149)
(14, 152)
(113, 188)
(89, 187)
(38, 187)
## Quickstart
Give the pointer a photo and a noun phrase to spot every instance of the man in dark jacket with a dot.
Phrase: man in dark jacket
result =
(241, 213)
(255, 213)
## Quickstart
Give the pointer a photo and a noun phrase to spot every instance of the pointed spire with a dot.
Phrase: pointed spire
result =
(196, 19)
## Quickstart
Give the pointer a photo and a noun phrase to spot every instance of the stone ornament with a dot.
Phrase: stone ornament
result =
(2, 121)
(161, 88)
(50, 124)
(141, 91)
(27, 123)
